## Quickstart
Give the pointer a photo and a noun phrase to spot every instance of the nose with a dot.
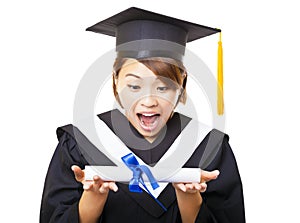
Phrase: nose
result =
(149, 101)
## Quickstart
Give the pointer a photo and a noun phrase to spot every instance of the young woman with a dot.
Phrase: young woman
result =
(148, 89)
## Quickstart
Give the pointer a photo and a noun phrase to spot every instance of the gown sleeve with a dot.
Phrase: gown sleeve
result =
(61, 191)
(223, 201)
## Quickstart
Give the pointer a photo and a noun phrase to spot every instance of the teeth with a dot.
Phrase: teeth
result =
(148, 115)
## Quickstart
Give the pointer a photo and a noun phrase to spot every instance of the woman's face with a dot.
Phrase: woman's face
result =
(148, 100)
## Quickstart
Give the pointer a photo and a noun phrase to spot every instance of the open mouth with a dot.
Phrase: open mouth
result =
(148, 121)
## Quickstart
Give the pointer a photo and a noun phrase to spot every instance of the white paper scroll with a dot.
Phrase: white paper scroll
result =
(113, 173)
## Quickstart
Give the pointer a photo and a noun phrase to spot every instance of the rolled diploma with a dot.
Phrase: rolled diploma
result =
(123, 174)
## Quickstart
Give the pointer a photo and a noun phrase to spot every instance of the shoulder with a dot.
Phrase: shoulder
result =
(69, 136)
(66, 136)
(67, 150)
(209, 152)
(73, 132)
(66, 129)
(216, 140)
(69, 132)
(218, 135)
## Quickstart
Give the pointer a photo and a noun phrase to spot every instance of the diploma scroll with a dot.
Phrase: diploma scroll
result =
(119, 174)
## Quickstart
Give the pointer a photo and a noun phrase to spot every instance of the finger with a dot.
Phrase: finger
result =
(112, 186)
(97, 181)
(87, 185)
(207, 176)
(79, 173)
(203, 187)
(190, 186)
(197, 186)
(193, 187)
(180, 186)
(104, 188)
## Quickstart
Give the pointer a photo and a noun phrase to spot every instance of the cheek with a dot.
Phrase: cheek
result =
(166, 110)
(167, 107)
(127, 102)
(169, 100)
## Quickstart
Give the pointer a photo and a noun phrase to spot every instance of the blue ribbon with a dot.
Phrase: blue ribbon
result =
(137, 170)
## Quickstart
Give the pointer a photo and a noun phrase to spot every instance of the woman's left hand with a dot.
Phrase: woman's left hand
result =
(206, 176)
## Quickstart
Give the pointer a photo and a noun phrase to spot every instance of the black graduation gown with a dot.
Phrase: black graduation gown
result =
(222, 202)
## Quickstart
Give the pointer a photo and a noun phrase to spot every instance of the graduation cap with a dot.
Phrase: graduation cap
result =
(143, 34)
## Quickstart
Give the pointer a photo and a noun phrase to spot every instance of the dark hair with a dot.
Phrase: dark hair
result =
(162, 67)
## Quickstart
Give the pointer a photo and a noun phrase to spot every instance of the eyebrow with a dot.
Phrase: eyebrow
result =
(132, 75)
(136, 76)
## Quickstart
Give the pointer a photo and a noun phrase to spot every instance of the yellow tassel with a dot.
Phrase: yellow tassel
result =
(220, 99)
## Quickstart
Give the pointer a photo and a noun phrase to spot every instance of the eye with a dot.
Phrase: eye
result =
(133, 87)
(162, 89)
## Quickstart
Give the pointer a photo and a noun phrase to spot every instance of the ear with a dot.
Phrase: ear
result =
(179, 99)
(116, 89)
(115, 82)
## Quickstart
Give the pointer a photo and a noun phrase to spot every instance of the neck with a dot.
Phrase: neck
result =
(150, 139)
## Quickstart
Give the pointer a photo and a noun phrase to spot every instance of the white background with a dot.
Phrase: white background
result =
(44, 52)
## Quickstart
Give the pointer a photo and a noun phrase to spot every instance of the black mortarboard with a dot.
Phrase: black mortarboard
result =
(146, 28)
(143, 34)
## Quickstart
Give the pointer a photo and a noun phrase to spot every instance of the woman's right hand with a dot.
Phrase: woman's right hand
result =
(93, 185)
(93, 198)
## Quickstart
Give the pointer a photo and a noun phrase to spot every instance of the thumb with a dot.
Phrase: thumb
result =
(79, 173)
(207, 176)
